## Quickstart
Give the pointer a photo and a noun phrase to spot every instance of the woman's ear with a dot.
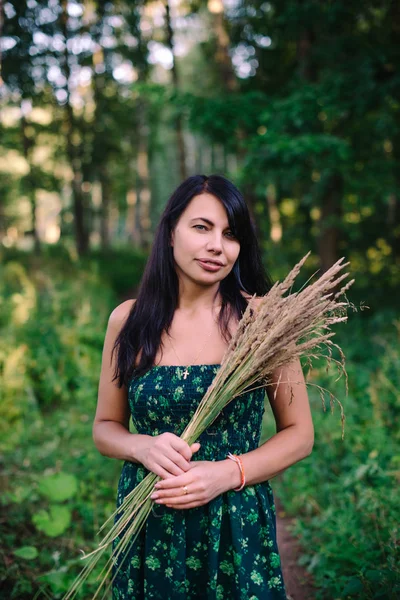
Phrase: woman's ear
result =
(171, 239)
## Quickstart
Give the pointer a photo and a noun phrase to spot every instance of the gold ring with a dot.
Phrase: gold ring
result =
(185, 489)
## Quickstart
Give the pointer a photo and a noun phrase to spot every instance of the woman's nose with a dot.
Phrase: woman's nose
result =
(214, 244)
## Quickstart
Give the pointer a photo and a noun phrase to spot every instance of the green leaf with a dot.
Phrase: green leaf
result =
(52, 523)
(374, 575)
(354, 586)
(58, 487)
(27, 552)
(58, 581)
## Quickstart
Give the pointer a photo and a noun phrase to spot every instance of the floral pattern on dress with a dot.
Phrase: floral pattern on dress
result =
(224, 550)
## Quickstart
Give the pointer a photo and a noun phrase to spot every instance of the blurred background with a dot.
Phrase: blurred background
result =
(105, 107)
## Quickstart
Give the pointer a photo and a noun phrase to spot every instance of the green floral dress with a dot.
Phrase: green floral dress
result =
(223, 550)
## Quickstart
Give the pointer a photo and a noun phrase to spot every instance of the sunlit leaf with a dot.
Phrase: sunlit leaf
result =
(54, 522)
(27, 552)
(58, 487)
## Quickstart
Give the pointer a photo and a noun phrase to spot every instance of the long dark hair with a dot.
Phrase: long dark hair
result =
(157, 300)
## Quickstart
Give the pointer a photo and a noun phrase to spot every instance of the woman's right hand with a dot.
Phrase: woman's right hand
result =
(167, 454)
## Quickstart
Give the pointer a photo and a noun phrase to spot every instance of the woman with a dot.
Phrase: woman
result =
(203, 539)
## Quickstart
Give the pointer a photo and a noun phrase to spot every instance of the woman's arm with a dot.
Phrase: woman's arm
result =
(292, 442)
(111, 423)
(294, 439)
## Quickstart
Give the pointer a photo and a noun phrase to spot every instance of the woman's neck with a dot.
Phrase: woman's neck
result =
(194, 298)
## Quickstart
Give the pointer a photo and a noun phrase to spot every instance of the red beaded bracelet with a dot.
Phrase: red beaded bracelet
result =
(238, 460)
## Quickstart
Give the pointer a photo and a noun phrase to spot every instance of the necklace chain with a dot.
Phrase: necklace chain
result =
(186, 372)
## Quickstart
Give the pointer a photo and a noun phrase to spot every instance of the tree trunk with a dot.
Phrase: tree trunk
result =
(131, 231)
(393, 218)
(212, 156)
(138, 196)
(222, 57)
(1, 35)
(309, 73)
(329, 223)
(143, 193)
(30, 184)
(250, 199)
(79, 209)
(175, 84)
(304, 46)
(137, 224)
(229, 82)
(274, 214)
(106, 192)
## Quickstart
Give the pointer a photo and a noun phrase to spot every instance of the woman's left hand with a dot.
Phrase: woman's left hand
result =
(205, 480)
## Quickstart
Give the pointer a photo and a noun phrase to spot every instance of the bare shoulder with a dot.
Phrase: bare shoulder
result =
(120, 314)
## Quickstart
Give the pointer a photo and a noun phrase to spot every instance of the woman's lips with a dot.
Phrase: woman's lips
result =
(208, 266)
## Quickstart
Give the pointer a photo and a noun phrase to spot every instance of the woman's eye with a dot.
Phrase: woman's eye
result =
(201, 227)
(230, 234)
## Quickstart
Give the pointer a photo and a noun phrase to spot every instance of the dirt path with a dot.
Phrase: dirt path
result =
(298, 582)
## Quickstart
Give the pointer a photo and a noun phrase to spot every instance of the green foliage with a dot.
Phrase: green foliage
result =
(57, 488)
(344, 497)
(27, 552)
(53, 522)
(121, 268)
(52, 328)
(49, 339)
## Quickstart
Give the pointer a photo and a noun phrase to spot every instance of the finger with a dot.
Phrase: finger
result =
(171, 468)
(173, 502)
(182, 500)
(172, 482)
(195, 447)
(193, 504)
(166, 494)
(182, 447)
(177, 499)
(164, 474)
(181, 461)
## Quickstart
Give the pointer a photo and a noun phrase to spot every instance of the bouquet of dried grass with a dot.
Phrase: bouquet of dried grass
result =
(281, 329)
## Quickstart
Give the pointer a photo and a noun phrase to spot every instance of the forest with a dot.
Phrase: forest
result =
(105, 107)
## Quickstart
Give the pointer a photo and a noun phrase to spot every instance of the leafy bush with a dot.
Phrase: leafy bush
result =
(121, 268)
(344, 497)
(50, 340)
(57, 488)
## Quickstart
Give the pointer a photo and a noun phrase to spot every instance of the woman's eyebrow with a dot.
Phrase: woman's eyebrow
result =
(203, 219)
(206, 221)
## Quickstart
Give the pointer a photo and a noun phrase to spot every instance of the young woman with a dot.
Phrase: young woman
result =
(203, 539)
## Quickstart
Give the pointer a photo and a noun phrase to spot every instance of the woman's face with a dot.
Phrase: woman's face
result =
(204, 247)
